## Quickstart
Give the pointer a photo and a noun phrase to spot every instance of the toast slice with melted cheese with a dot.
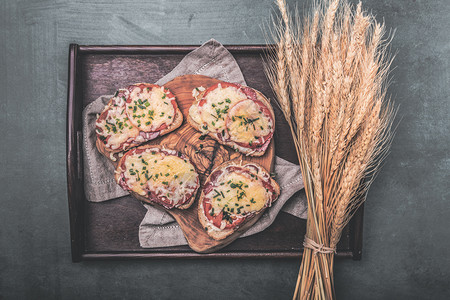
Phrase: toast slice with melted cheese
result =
(135, 115)
(234, 115)
(158, 175)
(232, 195)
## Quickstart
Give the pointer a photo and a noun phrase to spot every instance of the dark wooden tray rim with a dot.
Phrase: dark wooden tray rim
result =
(75, 184)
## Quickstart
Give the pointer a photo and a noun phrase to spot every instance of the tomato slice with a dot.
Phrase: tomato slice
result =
(262, 139)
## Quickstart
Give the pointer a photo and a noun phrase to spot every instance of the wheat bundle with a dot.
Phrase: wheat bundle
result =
(329, 73)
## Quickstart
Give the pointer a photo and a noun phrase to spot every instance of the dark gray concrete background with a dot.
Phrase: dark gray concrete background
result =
(406, 230)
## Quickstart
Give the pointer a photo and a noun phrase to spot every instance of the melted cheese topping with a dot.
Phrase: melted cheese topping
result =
(213, 112)
(150, 108)
(247, 122)
(117, 126)
(165, 175)
(197, 91)
(195, 115)
(238, 194)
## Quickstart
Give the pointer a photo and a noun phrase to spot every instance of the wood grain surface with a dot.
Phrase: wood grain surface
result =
(205, 159)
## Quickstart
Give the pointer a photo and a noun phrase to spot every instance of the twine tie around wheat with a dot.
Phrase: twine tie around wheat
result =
(317, 248)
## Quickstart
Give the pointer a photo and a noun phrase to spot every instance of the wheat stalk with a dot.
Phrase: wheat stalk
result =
(329, 74)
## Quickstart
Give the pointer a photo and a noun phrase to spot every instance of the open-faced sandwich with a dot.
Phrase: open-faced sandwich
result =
(234, 115)
(159, 175)
(234, 194)
(135, 115)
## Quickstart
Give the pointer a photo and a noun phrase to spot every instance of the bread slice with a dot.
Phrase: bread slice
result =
(115, 155)
(142, 136)
(258, 173)
(157, 175)
(242, 149)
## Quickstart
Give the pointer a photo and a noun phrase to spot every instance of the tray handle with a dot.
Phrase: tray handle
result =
(79, 155)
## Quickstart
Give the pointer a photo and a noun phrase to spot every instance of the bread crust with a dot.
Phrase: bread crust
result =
(113, 155)
(118, 174)
(219, 234)
(245, 150)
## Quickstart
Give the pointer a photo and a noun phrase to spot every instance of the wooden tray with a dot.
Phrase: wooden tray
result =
(109, 230)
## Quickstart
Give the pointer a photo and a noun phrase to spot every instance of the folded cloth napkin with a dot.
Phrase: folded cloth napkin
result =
(158, 228)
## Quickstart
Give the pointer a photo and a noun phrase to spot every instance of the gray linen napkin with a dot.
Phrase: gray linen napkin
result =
(158, 229)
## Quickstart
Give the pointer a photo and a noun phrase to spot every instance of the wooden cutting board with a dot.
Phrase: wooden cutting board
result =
(187, 140)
